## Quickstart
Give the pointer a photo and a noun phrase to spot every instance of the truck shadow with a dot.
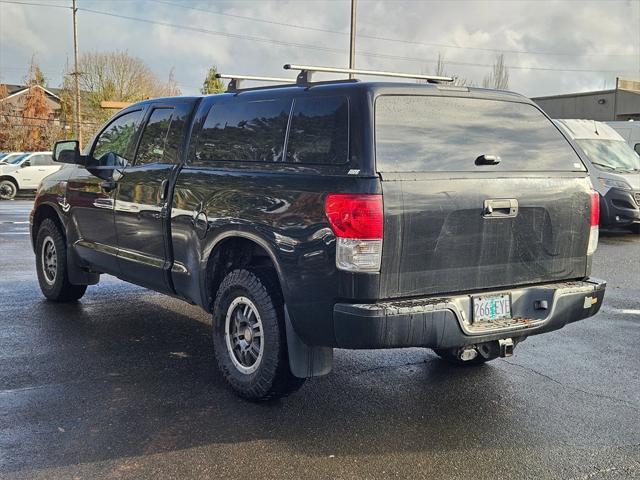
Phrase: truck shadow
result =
(124, 374)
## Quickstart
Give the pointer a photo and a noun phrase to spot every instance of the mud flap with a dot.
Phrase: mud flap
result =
(306, 361)
(76, 275)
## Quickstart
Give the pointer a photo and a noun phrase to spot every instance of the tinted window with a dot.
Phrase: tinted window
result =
(41, 160)
(116, 138)
(154, 138)
(245, 131)
(422, 133)
(319, 131)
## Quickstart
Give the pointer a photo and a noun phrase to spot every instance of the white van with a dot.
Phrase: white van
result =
(630, 131)
(614, 168)
(25, 172)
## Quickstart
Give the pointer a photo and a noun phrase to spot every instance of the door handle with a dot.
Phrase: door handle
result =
(500, 208)
(108, 185)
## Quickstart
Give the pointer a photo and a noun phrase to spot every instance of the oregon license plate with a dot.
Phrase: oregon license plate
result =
(491, 307)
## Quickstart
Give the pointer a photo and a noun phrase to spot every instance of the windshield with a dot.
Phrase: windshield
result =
(611, 155)
(14, 158)
(17, 159)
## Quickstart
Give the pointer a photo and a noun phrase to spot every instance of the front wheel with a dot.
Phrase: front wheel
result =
(51, 265)
(249, 336)
(8, 190)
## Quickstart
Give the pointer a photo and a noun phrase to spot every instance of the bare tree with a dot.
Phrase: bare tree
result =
(173, 90)
(498, 78)
(117, 76)
(440, 70)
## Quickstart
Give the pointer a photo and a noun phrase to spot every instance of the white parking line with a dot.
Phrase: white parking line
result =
(623, 311)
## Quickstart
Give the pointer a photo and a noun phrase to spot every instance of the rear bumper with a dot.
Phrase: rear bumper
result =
(619, 208)
(445, 322)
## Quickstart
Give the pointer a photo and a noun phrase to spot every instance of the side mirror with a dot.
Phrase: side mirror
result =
(68, 151)
(25, 164)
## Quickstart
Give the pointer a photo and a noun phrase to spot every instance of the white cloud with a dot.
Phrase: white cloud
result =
(583, 28)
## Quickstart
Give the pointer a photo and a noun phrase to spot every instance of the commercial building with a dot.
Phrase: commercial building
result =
(621, 103)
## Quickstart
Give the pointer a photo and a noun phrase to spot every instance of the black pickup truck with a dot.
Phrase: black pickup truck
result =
(340, 214)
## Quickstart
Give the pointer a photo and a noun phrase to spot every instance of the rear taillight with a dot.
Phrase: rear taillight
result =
(357, 221)
(595, 222)
(595, 208)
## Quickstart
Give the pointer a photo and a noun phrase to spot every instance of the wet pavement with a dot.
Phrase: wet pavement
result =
(122, 385)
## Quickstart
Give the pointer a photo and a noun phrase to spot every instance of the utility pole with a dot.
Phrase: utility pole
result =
(352, 42)
(76, 73)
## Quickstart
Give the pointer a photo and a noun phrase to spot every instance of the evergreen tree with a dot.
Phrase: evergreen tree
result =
(211, 83)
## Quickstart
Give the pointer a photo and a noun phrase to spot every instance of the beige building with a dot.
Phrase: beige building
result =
(621, 103)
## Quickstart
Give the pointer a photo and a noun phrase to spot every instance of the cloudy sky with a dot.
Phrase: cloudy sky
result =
(551, 47)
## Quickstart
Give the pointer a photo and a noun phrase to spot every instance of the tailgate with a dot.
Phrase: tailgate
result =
(478, 194)
(439, 240)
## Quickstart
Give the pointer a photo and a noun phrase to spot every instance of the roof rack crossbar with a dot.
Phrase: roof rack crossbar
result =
(306, 72)
(236, 80)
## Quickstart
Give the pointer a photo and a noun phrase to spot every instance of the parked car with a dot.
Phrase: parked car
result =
(25, 172)
(614, 168)
(339, 214)
(630, 131)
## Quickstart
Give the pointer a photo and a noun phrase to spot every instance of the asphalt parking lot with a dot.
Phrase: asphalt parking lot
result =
(123, 385)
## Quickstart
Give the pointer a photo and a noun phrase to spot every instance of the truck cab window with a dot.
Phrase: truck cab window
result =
(41, 160)
(154, 138)
(116, 138)
(319, 131)
(244, 131)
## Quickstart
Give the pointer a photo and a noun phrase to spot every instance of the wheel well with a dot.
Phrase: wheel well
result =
(231, 254)
(43, 212)
(11, 179)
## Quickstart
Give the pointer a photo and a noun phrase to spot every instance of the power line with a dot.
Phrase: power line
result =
(328, 49)
(320, 48)
(36, 4)
(388, 39)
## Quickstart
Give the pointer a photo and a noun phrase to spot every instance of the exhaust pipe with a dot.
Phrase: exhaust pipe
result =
(467, 354)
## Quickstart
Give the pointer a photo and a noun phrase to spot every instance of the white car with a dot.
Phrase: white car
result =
(25, 173)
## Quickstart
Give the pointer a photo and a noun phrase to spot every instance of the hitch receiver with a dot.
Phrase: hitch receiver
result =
(506, 347)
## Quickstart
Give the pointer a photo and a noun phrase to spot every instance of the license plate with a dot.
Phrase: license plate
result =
(491, 307)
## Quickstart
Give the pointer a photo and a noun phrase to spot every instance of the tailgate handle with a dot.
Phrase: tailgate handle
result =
(500, 208)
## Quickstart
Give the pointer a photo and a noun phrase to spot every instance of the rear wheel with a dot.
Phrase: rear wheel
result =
(249, 336)
(51, 265)
(8, 190)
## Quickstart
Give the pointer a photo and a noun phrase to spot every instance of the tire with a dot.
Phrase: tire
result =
(51, 265)
(449, 356)
(249, 336)
(8, 190)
